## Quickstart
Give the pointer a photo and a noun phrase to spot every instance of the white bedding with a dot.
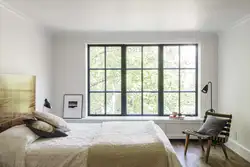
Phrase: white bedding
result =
(73, 150)
(13, 143)
(70, 151)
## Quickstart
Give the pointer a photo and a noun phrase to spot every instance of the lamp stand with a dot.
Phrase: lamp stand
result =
(211, 109)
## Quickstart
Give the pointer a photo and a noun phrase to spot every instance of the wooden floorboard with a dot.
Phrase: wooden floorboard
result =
(196, 158)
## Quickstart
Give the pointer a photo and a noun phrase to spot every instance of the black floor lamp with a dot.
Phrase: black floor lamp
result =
(205, 90)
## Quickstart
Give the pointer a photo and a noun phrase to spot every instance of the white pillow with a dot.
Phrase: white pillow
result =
(52, 120)
(13, 144)
(20, 132)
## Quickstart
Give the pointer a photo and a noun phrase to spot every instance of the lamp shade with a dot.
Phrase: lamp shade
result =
(47, 104)
(205, 89)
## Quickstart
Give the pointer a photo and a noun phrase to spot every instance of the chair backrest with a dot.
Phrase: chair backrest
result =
(226, 130)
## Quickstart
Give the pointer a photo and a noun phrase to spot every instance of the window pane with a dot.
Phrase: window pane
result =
(113, 102)
(188, 103)
(171, 103)
(113, 80)
(96, 57)
(97, 80)
(150, 80)
(97, 103)
(188, 56)
(171, 57)
(150, 57)
(133, 103)
(150, 103)
(113, 57)
(171, 80)
(133, 57)
(133, 80)
(188, 80)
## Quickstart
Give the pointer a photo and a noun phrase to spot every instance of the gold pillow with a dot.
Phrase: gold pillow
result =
(52, 120)
(40, 125)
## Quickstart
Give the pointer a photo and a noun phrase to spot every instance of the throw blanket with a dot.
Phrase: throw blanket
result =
(127, 144)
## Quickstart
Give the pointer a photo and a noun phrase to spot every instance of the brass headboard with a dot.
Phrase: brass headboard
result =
(17, 95)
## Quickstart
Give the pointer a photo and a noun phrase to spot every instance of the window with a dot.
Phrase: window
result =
(126, 80)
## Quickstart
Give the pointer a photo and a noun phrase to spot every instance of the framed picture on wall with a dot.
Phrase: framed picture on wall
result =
(72, 106)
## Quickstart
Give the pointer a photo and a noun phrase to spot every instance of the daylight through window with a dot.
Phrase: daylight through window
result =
(126, 80)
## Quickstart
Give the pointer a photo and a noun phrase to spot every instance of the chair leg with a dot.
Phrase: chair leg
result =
(209, 142)
(186, 144)
(201, 144)
(224, 150)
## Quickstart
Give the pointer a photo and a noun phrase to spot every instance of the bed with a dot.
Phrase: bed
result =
(108, 144)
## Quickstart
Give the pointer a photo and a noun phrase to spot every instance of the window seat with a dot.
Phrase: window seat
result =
(134, 118)
(172, 128)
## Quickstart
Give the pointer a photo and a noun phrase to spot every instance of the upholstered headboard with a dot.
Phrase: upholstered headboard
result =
(17, 95)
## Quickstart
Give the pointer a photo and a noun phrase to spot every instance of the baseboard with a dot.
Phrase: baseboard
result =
(239, 149)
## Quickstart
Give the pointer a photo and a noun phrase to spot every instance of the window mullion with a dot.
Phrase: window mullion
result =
(179, 55)
(105, 82)
(160, 82)
(88, 80)
(196, 80)
(124, 80)
(141, 80)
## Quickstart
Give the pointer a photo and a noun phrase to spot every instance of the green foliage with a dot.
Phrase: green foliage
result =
(97, 80)
(113, 103)
(134, 59)
(171, 103)
(150, 103)
(134, 103)
(134, 80)
(97, 103)
(150, 80)
(171, 80)
(150, 57)
(171, 57)
(113, 57)
(96, 57)
(113, 80)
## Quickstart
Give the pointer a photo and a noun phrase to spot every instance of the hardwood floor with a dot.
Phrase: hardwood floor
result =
(196, 157)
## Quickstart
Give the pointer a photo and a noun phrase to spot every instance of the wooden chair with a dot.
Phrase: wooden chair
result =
(221, 139)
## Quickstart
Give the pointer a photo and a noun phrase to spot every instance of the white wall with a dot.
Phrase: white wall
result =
(25, 49)
(69, 59)
(234, 82)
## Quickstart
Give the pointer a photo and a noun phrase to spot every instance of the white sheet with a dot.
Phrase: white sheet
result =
(70, 151)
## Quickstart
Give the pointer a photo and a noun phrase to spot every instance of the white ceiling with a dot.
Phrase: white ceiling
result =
(134, 15)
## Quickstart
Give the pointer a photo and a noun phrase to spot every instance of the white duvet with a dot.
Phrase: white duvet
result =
(85, 144)
(13, 144)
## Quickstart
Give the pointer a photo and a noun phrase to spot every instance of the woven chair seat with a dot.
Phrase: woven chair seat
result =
(191, 132)
(219, 139)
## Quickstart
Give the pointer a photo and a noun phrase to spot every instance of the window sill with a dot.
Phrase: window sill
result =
(92, 119)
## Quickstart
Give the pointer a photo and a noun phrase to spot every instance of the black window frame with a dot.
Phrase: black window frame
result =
(160, 69)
